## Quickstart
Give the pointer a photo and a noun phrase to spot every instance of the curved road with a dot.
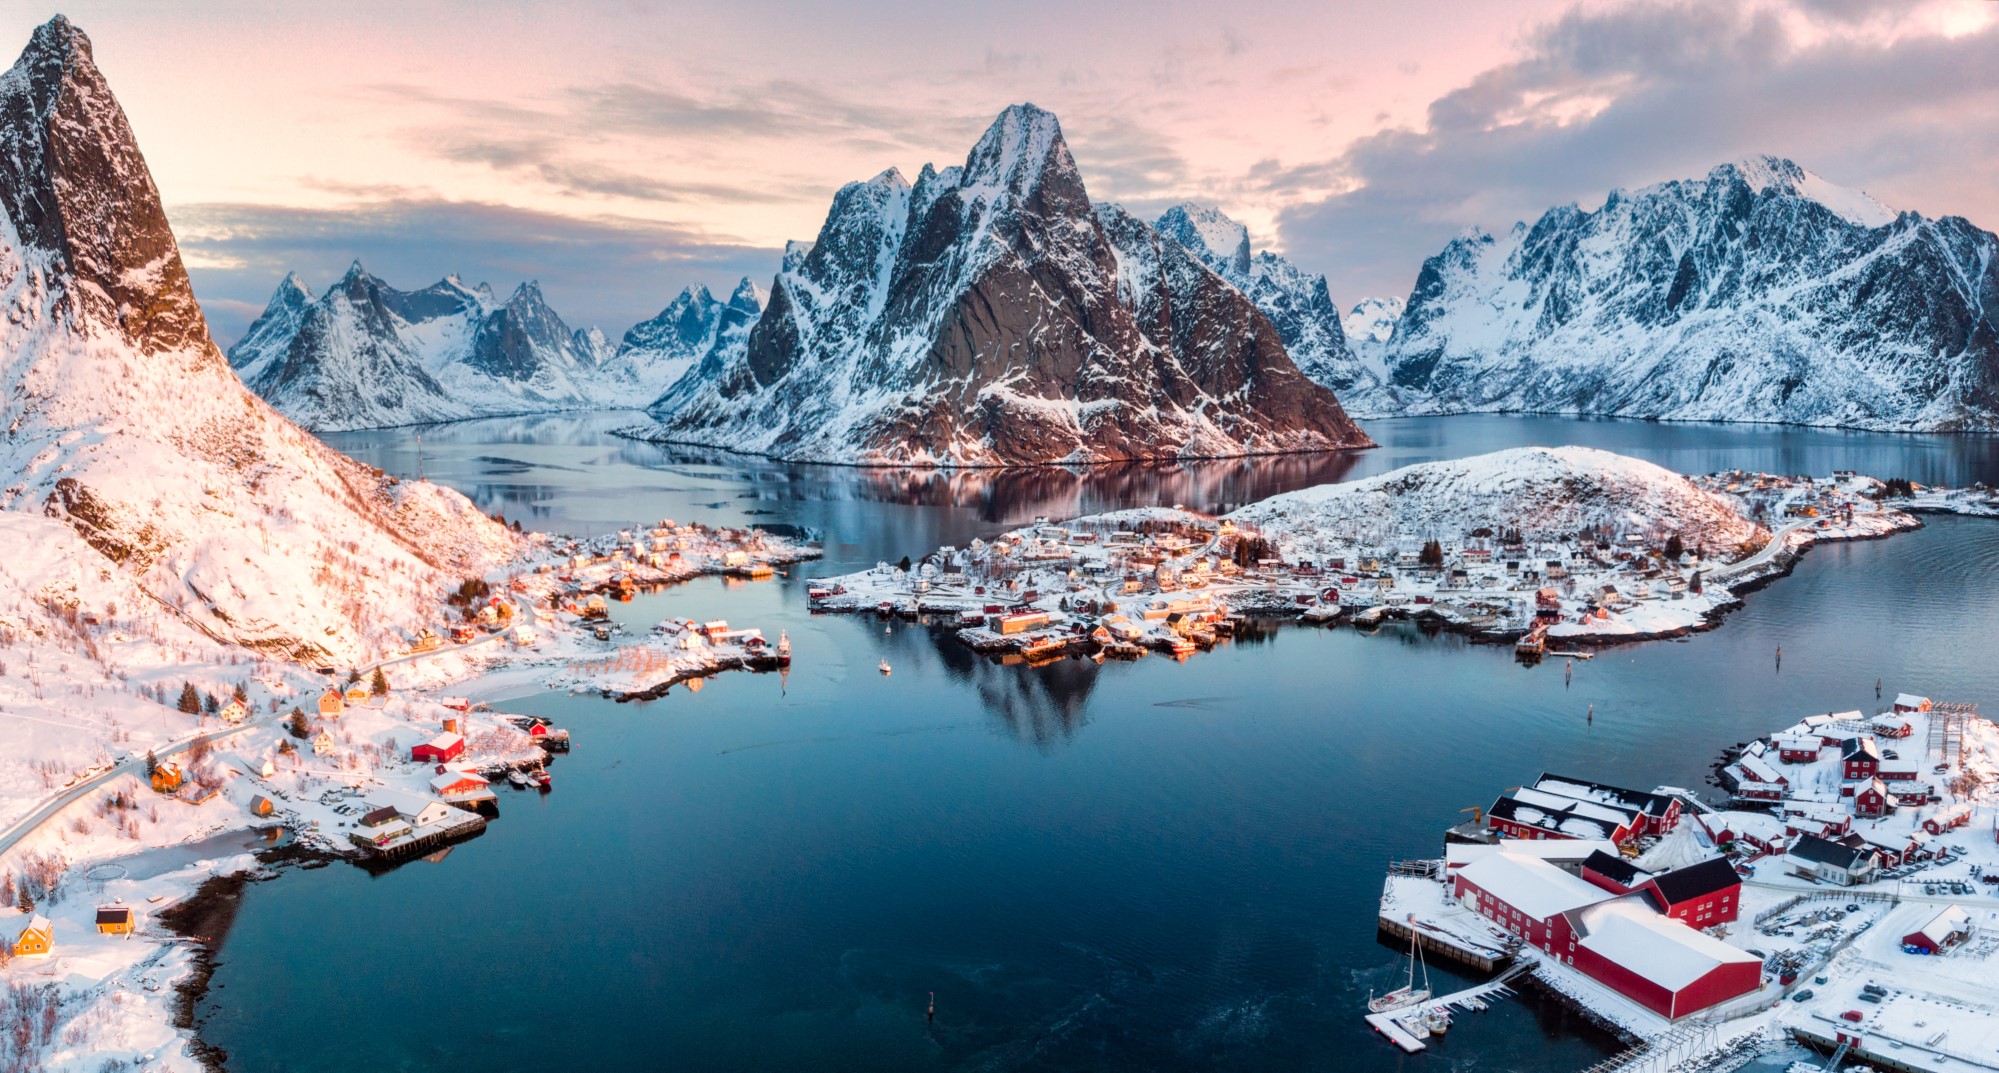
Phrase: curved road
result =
(26, 825)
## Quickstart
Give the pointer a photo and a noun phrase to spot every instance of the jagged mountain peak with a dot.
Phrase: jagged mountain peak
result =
(747, 297)
(1209, 233)
(1022, 145)
(164, 469)
(991, 315)
(77, 191)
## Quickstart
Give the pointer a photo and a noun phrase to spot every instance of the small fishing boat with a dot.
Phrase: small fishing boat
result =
(884, 666)
(518, 778)
(1408, 994)
(540, 777)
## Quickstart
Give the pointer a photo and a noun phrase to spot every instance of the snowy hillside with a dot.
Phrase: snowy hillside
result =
(1759, 293)
(986, 315)
(366, 355)
(696, 333)
(127, 426)
(1546, 493)
(1297, 302)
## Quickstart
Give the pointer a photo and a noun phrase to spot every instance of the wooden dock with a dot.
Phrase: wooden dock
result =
(1395, 1024)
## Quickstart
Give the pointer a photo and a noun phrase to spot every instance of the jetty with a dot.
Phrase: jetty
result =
(1403, 1028)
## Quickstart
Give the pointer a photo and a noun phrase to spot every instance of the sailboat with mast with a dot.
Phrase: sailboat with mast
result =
(1408, 994)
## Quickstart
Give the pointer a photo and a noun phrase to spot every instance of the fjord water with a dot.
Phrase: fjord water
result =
(1134, 866)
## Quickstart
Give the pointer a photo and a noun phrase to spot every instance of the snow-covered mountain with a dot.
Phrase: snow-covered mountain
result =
(1297, 302)
(366, 355)
(1544, 492)
(1759, 293)
(990, 314)
(695, 333)
(1372, 320)
(127, 427)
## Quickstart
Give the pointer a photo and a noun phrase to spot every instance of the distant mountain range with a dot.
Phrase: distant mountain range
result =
(1759, 293)
(366, 355)
(991, 313)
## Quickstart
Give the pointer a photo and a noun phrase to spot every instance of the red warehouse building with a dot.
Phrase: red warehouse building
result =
(1530, 813)
(442, 749)
(1657, 962)
(1660, 812)
(1702, 894)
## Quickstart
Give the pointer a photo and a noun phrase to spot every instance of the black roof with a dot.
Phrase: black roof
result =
(1859, 747)
(1824, 851)
(1697, 880)
(380, 816)
(1613, 868)
(116, 914)
(1637, 800)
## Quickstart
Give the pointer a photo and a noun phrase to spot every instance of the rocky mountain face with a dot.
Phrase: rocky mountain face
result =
(989, 314)
(125, 424)
(366, 355)
(1297, 303)
(1758, 293)
(696, 333)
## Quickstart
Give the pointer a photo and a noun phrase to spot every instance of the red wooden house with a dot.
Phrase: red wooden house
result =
(442, 749)
(1871, 800)
(1657, 962)
(1859, 758)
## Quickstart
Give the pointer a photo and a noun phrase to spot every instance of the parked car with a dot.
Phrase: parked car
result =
(1802, 996)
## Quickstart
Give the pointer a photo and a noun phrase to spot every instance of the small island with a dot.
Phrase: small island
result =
(1547, 548)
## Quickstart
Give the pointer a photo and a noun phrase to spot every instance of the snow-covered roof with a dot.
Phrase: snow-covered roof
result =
(1941, 927)
(1682, 848)
(1458, 854)
(449, 779)
(1531, 885)
(1760, 769)
(445, 740)
(1594, 810)
(406, 804)
(1628, 932)
(1908, 700)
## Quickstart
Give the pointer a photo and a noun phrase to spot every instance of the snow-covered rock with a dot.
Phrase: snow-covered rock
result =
(1296, 301)
(126, 425)
(1372, 320)
(695, 334)
(366, 355)
(1759, 293)
(986, 315)
(1546, 493)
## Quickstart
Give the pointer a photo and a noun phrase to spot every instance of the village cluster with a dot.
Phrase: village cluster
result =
(1120, 584)
(1847, 897)
(380, 766)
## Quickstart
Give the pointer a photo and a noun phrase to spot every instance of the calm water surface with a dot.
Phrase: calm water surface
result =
(1142, 866)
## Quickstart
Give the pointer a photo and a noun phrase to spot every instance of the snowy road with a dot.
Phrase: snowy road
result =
(134, 766)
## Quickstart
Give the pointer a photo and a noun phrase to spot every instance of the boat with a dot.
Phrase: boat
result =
(783, 647)
(884, 666)
(540, 777)
(518, 777)
(1408, 994)
(1437, 1019)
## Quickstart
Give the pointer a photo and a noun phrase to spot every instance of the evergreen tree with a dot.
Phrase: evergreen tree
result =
(190, 699)
(241, 695)
(25, 896)
(1432, 554)
(152, 763)
(903, 565)
(1675, 547)
(210, 705)
(299, 727)
(380, 685)
(353, 677)
(6, 891)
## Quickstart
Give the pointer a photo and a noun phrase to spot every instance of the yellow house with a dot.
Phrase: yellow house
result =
(167, 778)
(114, 920)
(38, 939)
(357, 695)
(331, 704)
(261, 805)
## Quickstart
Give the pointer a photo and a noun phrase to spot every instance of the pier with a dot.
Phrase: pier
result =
(1396, 1024)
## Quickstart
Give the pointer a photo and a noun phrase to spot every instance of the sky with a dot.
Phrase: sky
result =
(619, 151)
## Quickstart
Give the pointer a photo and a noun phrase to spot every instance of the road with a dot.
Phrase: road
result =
(1763, 555)
(134, 766)
(521, 615)
(63, 798)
